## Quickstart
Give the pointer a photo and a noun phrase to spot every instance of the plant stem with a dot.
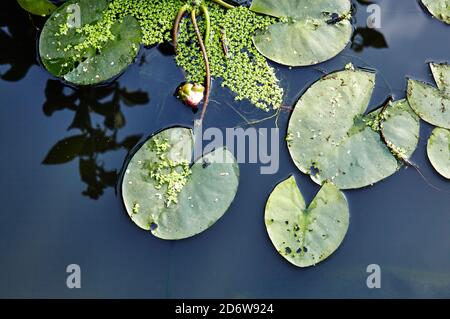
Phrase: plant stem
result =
(386, 104)
(206, 60)
(176, 25)
(224, 4)
(207, 24)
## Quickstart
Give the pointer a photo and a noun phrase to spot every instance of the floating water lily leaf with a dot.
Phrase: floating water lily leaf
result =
(330, 138)
(65, 52)
(400, 128)
(309, 32)
(439, 9)
(430, 103)
(306, 236)
(439, 151)
(37, 7)
(163, 195)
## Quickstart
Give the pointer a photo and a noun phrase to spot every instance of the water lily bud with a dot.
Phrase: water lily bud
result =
(191, 94)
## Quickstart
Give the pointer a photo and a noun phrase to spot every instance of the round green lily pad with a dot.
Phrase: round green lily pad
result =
(304, 235)
(172, 199)
(37, 7)
(309, 32)
(439, 9)
(65, 52)
(430, 103)
(439, 151)
(331, 139)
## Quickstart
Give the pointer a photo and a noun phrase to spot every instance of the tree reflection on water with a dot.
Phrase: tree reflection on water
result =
(91, 141)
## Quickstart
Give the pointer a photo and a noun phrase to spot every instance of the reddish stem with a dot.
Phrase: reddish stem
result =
(207, 67)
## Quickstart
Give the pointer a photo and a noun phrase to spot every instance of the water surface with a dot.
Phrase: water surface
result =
(60, 207)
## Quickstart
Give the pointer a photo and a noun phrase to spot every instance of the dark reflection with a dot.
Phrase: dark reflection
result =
(91, 141)
(364, 2)
(18, 31)
(367, 37)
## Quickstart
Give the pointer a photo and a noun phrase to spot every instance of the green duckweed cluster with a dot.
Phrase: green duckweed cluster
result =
(172, 175)
(233, 57)
(376, 124)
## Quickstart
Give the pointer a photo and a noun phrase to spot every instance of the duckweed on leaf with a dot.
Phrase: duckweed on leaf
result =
(309, 32)
(97, 51)
(332, 140)
(439, 151)
(439, 9)
(173, 200)
(304, 235)
(430, 103)
(232, 55)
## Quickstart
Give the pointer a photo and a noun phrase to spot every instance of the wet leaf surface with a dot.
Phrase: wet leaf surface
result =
(304, 235)
(204, 198)
(309, 32)
(65, 55)
(430, 103)
(439, 151)
(331, 138)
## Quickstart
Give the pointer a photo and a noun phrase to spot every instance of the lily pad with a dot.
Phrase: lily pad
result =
(37, 7)
(204, 196)
(309, 32)
(439, 151)
(304, 235)
(331, 139)
(440, 9)
(65, 52)
(430, 103)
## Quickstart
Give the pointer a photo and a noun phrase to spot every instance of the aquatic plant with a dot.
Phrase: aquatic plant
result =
(172, 198)
(111, 32)
(438, 150)
(430, 103)
(332, 139)
(305, 235)
(37, 7)
(307, 32)
(440, 9)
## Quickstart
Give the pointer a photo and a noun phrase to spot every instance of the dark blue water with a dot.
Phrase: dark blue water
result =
(62, 150)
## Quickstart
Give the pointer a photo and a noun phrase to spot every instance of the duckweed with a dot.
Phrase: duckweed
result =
(166, 172)
(233, 57)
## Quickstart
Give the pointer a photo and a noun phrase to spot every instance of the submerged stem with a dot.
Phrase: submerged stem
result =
(224, 4)
(206, 60)
(176, 25)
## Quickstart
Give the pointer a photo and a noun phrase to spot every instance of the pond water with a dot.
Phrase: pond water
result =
(61, 207)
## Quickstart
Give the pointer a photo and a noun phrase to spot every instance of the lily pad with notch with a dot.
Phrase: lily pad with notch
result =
(304, 235)
(332, 139)
(62, 51)
(430, 103)
(309, 32)
(203, 198)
